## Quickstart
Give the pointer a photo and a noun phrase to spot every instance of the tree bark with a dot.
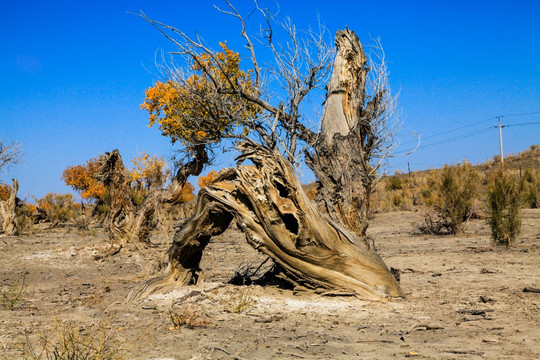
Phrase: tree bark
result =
(8, 217)
(340, 156)
(268, 204)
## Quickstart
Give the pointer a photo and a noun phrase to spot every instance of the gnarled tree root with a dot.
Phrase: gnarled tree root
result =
(269, 206)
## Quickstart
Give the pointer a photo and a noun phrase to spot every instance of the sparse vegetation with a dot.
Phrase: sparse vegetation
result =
(241, 301)
(503, 201)
(26, 215)
(187, 316)
(58, 209)
(12, 295)
(530, 188)
(76, 342)
(454, 189)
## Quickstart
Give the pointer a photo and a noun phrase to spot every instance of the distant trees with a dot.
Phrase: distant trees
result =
(84, 179)
(123, 196)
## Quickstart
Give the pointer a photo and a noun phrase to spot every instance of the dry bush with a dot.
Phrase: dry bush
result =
(394, 183)
(399, 192)
(58, 209)
(530, 188)
(13, 294)
(75, 342)
(503, 201)
(452, 191)
(26, 217)
(187, 316)
(391, 194)
(240, 302)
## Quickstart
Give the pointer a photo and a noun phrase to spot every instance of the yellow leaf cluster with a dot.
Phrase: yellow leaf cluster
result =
(5, 191)
(82, 178)
(204, 181)
(148, 171)
(187, 193)
(207, 104)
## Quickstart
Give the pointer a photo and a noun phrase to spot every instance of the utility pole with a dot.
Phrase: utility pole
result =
(500, 139)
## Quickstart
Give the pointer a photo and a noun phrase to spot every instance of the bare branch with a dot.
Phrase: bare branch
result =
(10, 154)
(249, 45)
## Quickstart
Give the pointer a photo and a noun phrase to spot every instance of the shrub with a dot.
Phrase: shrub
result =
(187, 316)
(503, 207)
(75, 342)
(454, 189)
(427, 195)
(12, 295)
(394, 183)
(26, 214)
(241, 301)
(530, 188)
(57, 208)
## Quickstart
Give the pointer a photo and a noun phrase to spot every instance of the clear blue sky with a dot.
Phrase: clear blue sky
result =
(74, 73)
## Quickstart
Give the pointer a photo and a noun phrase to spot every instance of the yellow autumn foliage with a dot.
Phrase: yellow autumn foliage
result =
(206, 104)
(5, 191)
(82, 178)
(148, 171)
(204, 181)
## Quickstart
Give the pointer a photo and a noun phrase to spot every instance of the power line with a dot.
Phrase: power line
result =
(455, 138)
(476, 123)
(453, 130)
(522, 124)
(521, 114)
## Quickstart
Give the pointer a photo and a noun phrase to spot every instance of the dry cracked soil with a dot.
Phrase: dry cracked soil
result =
(465, 300)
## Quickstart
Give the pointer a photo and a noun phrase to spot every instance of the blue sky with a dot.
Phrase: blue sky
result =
(74, 74)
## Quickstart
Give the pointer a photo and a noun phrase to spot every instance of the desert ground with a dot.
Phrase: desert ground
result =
(465, 299)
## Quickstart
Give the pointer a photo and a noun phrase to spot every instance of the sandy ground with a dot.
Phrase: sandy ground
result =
(465, 300)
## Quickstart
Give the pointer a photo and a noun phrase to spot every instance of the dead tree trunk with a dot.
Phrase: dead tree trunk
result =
(8, 217)
(268, 204)
(341, 155)
(127, 222)
(119, 221)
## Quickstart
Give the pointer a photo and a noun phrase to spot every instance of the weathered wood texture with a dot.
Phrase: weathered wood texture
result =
(8, 217)
(267, 202)
(341, 156)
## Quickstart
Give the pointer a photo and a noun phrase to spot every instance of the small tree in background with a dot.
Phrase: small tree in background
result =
(503, 201)
(530, 188)
(84, 180)
(454, 189)
(148, 172)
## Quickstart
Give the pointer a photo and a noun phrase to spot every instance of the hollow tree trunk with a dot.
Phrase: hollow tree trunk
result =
(8, 217)
(341, 155)
(127, 222)
(268, 204)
